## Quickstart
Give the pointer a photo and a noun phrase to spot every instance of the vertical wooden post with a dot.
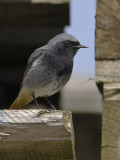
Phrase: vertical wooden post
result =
(107, 54)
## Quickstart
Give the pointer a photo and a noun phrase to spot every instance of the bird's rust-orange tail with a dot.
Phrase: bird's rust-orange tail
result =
(22, 100)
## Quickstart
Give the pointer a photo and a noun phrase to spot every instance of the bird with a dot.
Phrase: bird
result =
(48, 70)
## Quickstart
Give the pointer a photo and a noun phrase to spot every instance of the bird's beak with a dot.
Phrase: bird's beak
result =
(80, 46)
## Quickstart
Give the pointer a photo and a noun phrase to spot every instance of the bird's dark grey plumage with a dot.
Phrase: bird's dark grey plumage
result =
(49, 68)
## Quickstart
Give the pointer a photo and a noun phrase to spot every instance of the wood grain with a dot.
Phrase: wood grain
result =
(107, 30)
(108, 71)
(39, 134)
(111, 130)
(107, 57)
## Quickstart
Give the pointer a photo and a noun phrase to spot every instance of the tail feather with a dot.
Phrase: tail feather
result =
(22, 100)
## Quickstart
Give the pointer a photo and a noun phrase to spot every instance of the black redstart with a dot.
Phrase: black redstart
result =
(48, 70)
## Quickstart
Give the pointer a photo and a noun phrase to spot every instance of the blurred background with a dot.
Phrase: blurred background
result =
(28, 24)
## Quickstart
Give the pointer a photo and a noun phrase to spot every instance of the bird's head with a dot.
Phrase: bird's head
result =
(65, 44)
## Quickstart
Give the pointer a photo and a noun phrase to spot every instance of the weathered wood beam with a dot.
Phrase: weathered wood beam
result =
(39, 134)
(111, 130)
(34, 14)
(107, 30)
(108, 71)
(36, 1)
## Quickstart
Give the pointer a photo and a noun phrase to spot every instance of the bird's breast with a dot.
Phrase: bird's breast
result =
(65, 72)
(54, 83)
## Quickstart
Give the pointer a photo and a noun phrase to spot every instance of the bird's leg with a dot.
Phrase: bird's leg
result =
(35, 99)
(49, 103)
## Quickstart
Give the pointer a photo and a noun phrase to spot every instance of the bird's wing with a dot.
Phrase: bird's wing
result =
(35, 55)
(51, 60)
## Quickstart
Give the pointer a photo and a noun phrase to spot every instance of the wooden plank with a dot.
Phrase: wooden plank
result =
(27, 36)
(35, 1)
(111, 130)
(111, 91)
(34, 15)
(107, 30)
(108, 71)
(23, 42)
(39, 134)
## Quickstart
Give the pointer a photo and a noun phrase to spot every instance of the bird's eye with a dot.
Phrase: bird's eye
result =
(68, 43)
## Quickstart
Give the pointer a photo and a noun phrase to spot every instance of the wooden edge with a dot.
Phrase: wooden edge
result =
(111, 91)
(34, 115)
(67, 118)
